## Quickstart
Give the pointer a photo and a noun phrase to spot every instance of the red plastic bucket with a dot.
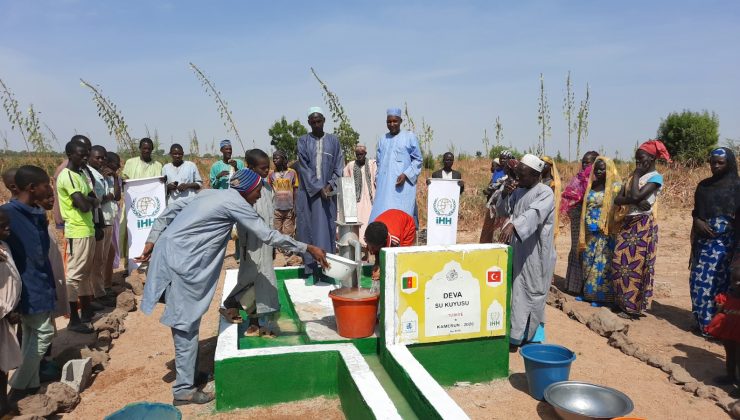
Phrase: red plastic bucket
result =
(355, 311)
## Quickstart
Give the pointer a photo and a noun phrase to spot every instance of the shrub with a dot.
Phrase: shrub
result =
(689, 136)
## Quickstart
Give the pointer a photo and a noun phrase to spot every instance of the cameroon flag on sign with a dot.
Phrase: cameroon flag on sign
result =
(409, 282)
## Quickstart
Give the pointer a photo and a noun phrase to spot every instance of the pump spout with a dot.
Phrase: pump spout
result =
(354, 243)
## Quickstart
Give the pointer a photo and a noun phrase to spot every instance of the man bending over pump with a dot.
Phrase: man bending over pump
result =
(393, 228)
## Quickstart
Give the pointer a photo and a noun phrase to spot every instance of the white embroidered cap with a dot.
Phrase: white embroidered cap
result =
(533, 162)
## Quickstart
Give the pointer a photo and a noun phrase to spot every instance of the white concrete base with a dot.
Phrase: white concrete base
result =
(369, 386)
(315, 310)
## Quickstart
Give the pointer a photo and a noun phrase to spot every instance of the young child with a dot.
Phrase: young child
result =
(726, 326)
(284, 181)
(10, 296)
(256, 289)
(29, 243)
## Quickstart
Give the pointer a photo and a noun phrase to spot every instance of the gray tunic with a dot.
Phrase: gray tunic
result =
(191, 237)
(531, 211)
(255, 266)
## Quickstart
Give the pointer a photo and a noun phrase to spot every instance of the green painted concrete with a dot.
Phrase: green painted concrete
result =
(263, 380)
(414, 398)
(281, 378)
(368, 345)
(474, 360)
(354, 405)
(395, 394)
(290, 335)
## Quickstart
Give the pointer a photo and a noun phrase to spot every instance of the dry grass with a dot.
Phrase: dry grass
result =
(678, 191)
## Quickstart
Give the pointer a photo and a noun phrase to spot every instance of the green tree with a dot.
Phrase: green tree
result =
(497, 149)
(689, 136)
(285, 136)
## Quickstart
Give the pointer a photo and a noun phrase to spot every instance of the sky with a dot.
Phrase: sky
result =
(458, 65)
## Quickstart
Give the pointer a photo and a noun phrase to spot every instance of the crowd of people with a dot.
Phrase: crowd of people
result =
(614, 238)
(261, 209)
(293, 209)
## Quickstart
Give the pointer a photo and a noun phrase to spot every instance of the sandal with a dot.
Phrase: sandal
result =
(252, 331)
(231, 315)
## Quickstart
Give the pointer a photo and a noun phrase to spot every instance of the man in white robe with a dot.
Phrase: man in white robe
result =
(530, 206)
(363, 171)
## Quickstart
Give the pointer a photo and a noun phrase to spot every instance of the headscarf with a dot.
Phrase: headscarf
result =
(557, 188)
(506, 154)
(656, 148)
(245, 180)
(575, 190)
(224, 143)
(608, 208)
(718, 195)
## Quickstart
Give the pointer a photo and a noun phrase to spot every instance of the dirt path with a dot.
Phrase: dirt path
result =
(653, 395)
(141, 360)
(141, 369)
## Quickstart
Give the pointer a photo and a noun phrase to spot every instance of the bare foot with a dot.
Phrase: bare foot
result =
(231, 315)
(268, 332)
(252, 331)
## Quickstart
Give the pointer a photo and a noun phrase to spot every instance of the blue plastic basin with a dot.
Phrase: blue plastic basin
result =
(545, 364)
(146, 411)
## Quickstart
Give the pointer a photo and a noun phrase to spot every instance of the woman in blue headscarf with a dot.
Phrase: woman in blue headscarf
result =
(712, 235)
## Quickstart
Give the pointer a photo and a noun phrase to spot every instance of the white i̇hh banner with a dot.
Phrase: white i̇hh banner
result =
(145, 200)
(443, 204)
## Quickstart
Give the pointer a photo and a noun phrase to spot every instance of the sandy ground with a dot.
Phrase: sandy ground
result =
(141, 360)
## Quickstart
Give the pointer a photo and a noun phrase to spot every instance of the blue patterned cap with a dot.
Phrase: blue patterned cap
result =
(224, 143)
(393, 112)
(245, 180)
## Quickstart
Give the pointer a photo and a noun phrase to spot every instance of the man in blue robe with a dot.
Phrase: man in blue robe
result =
(320, 165)
(190, 238)
(399, 164)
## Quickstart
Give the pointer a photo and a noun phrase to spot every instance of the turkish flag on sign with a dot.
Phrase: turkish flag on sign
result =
(494, 277)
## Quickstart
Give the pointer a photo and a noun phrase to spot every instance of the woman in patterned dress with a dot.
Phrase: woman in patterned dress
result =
(713, 235)
(596, 234)
(633, 263)
(570, 205)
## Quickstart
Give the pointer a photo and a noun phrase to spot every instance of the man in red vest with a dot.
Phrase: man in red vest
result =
(392, 228)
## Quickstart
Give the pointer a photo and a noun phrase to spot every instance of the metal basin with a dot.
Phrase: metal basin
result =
(574, 400)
